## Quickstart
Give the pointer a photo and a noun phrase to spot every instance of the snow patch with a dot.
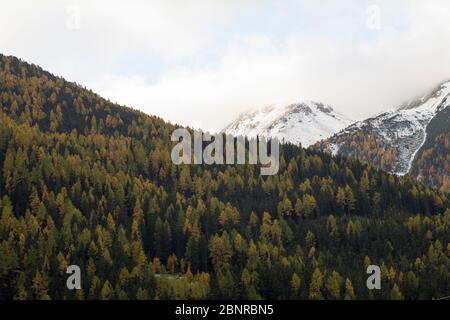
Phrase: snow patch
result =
(302, 123)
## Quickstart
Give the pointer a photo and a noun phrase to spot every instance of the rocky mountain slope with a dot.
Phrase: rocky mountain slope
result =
(396, 140)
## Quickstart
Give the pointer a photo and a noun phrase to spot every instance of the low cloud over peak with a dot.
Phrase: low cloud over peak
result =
(204, 62)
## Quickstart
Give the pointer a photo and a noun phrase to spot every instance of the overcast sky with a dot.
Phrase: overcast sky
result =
(201, 63)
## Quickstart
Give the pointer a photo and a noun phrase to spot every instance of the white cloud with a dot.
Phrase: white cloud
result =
(213, 64)
(162, 30)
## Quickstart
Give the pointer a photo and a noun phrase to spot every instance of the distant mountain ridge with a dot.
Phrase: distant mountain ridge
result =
(413, 138)
(394, 140)
(302, 123)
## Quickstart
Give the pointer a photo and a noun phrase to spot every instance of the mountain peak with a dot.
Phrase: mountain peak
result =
(399, 134)
(303, 122)
(437, 94)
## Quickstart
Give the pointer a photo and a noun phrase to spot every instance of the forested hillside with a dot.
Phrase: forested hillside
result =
(87, 182)
(432, 162)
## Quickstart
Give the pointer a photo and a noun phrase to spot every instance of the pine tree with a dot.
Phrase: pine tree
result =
(333, 285)
(316, 285)
(107, 292)
(220, 250)
(395, 293)
(295, 284)
(349, 292)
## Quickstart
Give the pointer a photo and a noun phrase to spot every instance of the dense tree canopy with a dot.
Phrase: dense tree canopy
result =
(87, 182)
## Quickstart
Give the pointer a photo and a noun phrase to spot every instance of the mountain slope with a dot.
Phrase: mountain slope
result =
(303, 123)
(394, 139)
(87, 182)
(432, 162)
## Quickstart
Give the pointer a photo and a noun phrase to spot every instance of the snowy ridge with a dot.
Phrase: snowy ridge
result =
(402, 128)
(302, 123)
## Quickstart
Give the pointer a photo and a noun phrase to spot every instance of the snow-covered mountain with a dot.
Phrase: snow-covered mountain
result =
(394, 138)
(302, 123)
(413, 138)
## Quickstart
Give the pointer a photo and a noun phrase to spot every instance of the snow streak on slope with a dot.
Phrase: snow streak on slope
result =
(303, 123)
(403, 128)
